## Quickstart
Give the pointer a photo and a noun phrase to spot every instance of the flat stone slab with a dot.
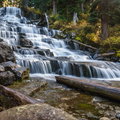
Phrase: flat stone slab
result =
(30, 87)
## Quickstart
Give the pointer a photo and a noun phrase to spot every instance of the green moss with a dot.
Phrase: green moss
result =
(118, 54)
(86, 106)
(18, 84)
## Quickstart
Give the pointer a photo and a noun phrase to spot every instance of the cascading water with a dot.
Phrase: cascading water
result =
(48, 55)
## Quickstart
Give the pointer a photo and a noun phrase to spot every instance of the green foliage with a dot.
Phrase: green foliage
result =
(90, 13)
(112, 43)
(118, 53)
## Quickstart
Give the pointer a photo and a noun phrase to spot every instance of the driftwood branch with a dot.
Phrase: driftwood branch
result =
(106, 54)
(18, 97)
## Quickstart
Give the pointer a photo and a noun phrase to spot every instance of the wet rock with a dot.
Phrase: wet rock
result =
(31, 87)
(97, 99)
(9, 65)
(2, 69)
(25, 43)
(90, 115)
(6, 53)
(118, 115)
(104, 118)
(1, 40)
(21, 73)
(44, 52)
(42, 21)
(7, 78)
(35, 112)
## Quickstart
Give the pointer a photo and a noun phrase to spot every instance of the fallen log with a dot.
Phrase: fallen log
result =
(11, 98)
(85, 45)
(106, 54)
(92, 87)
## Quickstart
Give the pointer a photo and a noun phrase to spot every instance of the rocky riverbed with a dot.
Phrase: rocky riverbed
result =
(74, 102)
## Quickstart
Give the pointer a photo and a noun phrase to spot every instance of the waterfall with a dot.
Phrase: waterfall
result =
(37, 49)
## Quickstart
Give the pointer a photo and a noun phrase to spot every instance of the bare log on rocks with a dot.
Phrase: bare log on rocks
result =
(10, 98)
(106, 54)
(92, 87)
(85, 45)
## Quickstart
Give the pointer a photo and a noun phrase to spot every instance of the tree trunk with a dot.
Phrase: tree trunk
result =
(25, 3)
(54, 7)
(104, 27)
(104, 19)
(82, 7)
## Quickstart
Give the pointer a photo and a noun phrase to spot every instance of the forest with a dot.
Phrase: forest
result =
(59, 59)
(93, 22)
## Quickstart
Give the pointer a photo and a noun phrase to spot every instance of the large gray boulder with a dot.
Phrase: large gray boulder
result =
(6, 53)
(35, 112)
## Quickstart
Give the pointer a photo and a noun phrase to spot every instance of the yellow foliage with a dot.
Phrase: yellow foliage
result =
(92, 37)
(11, 3)
(36, 11)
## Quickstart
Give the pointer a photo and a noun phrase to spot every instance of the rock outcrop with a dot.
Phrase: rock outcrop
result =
(35, 112)
(11, 72)
(7, 78)
(6, 53)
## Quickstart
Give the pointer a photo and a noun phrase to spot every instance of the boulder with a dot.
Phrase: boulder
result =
(25, 43)
(2, 69)
(35, 112)
(9, 65)
(104, 118)
(21, 73)
(7, 78)
(6, 53)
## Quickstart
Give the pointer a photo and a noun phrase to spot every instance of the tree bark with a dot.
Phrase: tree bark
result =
(54, 7)
(82, 7)
(104, 19)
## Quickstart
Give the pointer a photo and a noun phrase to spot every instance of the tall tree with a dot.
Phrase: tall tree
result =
(54, 2)
(104, 9)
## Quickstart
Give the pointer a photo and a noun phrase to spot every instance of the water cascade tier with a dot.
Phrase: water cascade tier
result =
(37, 49)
